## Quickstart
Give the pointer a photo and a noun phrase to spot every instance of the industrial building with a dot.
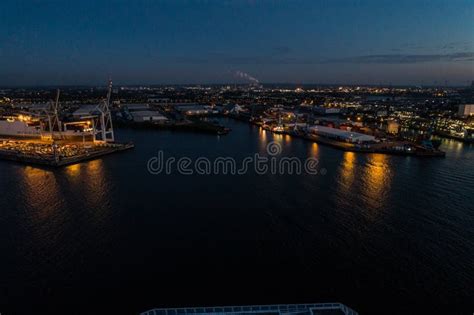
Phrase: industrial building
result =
(142, 113)
(326, 110)
(135, 107)
(195, 109)
(341, 135)
(85, 111)
(148, 115)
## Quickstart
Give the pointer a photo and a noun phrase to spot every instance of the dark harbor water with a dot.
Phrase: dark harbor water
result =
(106, 236)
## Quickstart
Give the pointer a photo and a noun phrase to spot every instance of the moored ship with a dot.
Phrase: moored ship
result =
(95, 125)
(24, 126)
(20, 126)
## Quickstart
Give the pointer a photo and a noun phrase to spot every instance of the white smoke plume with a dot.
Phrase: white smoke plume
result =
(246, 76)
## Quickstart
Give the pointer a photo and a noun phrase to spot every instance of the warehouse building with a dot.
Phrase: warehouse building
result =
(148, 115)
(341, 135)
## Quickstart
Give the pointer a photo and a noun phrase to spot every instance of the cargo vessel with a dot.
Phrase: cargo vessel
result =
(24, 126)
(19, 127)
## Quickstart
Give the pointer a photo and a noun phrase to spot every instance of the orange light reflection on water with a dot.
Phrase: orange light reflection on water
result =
(73, 170)
(41, 191)
(348, 169)
(376, 179)
(314, 149)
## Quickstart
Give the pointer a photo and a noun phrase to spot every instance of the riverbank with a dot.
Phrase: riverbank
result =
(447, 135)
(404, 148)
(394, 148)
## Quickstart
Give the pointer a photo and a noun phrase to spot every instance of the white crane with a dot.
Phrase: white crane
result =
(103, 123)
(52, 116)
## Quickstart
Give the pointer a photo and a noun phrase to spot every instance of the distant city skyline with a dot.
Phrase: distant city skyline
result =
(215, 42)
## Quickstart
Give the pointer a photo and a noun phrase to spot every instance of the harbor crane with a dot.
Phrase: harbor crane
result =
(50, 116)
(102, 129)
(53, 118)
(102, 123)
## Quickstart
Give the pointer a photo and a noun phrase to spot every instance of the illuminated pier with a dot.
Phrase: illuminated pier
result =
(56, 154)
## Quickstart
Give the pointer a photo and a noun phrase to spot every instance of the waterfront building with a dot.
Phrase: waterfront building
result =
(148, 115)
(393, 127)
(341, 135)
(85, 111)
(194, 109)
(466, 110)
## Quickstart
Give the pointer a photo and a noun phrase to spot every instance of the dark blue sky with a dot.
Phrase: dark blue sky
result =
(361, 42)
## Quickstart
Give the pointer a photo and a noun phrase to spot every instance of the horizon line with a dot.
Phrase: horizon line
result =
(236, 84)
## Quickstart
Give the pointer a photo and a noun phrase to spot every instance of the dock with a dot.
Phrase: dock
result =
(391, 147)
(447, 135)
(382, 148)
(56, 155)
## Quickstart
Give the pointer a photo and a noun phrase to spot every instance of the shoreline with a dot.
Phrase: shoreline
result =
(346, 146)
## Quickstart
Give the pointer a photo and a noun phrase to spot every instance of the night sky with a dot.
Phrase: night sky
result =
(165, 42)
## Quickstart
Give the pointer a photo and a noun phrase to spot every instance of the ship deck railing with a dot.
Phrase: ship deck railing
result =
(255, 309)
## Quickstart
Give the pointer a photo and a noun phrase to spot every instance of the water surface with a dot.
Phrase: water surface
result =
(106, 235)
